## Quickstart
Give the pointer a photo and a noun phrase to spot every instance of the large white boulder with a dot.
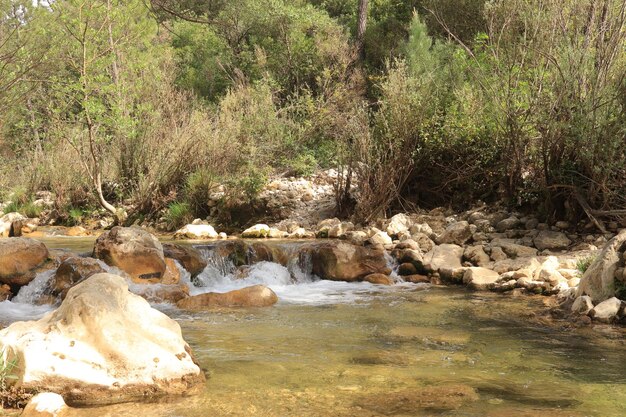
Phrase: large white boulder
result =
(256, 231)
(102, 345)
(196, 231)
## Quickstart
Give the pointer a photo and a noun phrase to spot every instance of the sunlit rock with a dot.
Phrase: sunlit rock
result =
(196, 231)
(19, 257)
(254, 296)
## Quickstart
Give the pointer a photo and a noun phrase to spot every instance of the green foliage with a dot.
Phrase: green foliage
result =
(178, 214)
(303, 164)
(583, 264)
(7, 370)
(75, 216)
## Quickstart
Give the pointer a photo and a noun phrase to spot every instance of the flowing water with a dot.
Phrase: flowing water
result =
(355, 349)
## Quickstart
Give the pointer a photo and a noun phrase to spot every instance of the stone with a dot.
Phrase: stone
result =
(416, 279)
(134, 251)
(507, 224)
(512, 249)
(196, 232)
(562, 225)
(103, 345)
(531, 224)
(457, 233)
(407, 269)
(188, 257)
(323, 227)
(342, 261)
(550, 240)
(161, 293)
(548, 272)
(582, 305)
(497, 254)
(443, 256)
(422, 228)
(76, 231)
(11, 224)
(398, 224)
(339, 230)
(452, 275)
(19, 258)
(379, 279)
(425, 243)
(411, 256)
(480, 278)
(72, 271)
(573, 282)
(516, 264)
(5, 292)
(408, 244)
(256, 232)
(380, 238)
(476, 255)
(598, 281)
(275, 233)
(254, 296)
(45, 404)
(607, 311)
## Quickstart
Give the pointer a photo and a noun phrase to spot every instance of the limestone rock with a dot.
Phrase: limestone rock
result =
(134, 251)
(45, 404)
(547, 239)
(380, 238)
(480, 278)
(257, 231)
(380, 279)
(19, 257)
(11, 224)
(607, 311)
(598, 281)
(497, 254)
(476, 255)
(341, 261)
(443, 256)
(507, 224)
(254, 296)
(188, 257)
(457, 233)
(399, 223)
(5, 292)
(339, 230)
(197, 232)
(582, 305)
(103, 345)
(514, 250)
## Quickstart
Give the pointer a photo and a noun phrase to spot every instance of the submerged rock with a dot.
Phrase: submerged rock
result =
(380, 279)
(341, 261)
(254, 296)
(19, 257)
(598, 281)
(103, 345)
(134, 251)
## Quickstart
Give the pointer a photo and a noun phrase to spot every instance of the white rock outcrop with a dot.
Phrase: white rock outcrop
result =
(102, 345)
(196, 231)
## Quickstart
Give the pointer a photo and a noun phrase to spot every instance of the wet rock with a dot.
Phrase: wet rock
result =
(254, 296)
(443, 256)
(5, 292)
(46, 404)
(547, 239)
(380, 279)
(256, 232)
(161, 293)
(421, 400)
(598, 281)
(607, 311)
(480, 278)
(476, 255)
(134, 251)
(103, 345)
(407, 268)
(72, 271)
(582, 305)
(188, 257)
(457, 233)
(19, 257)
(416, 279)
(196, 232)
(341, 261)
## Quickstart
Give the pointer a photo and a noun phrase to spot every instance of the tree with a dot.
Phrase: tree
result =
(362, 27)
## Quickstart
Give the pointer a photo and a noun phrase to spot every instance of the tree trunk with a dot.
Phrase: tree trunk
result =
(362, 26)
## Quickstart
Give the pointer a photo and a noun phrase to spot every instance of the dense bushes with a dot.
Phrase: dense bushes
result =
(516, 100)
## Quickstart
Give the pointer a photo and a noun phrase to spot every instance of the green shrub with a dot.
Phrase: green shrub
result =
(303, 164)
(583, 264)
(75, 216)
(178, 214)
(198, 187)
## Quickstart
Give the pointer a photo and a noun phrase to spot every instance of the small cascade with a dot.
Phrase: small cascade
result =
(36, 289)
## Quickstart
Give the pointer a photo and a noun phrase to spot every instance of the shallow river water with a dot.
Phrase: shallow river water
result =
(336, 349)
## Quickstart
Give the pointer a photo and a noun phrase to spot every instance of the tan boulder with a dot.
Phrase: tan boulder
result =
(254, 296)
(19, 257)
(103, 345)
(161, 293)
(134, 251)
(341, 261)
(416, 279)
(480, 278)
(380, 279)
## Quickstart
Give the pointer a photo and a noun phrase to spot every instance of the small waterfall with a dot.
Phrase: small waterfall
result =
(35, 290)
